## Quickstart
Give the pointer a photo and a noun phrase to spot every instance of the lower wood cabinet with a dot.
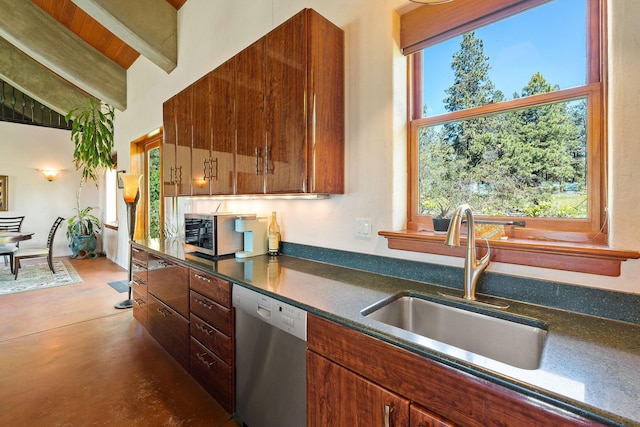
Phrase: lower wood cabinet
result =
(212, 336)
(352, 379)
(170, 329)
(189, 313)
(338, 397)
(140, 312)
(213, 374)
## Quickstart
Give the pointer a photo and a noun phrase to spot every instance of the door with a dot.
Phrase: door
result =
(285, 96)
(339, 397)
(169, 147)
(223, 128)
(250, 125)
(201, 148)
(184, 133)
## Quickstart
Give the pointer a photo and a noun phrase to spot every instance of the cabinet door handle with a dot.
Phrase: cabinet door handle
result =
(211, 174)
(203, 278)
(204, 168)
(204, 361)
(387, 415)
(258, 160)
(204, 328)
(269, 161)
(178, 179)
(204, 304)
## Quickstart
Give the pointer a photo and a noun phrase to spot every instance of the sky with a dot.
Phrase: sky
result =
(549, 38)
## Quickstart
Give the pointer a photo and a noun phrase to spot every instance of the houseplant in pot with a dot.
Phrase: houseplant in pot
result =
(92, 136)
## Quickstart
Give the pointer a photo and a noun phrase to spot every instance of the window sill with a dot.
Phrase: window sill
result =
(579, 257)
(111, 225)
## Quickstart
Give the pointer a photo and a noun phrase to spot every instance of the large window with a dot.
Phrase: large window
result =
(507, 116)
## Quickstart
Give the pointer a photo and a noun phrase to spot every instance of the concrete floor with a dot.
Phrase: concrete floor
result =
(68, 358)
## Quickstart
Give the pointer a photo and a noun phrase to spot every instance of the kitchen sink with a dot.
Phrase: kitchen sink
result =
(515, 340)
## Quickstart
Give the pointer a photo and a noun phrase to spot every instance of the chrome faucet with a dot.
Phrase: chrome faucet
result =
(472, 266)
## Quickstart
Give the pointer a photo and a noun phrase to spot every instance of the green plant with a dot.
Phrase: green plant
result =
(83, 224)
(92, 135)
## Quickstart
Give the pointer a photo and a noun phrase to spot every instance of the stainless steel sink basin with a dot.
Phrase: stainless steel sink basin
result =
(515, 340)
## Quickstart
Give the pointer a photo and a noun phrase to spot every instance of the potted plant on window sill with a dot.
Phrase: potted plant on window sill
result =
(92, 135)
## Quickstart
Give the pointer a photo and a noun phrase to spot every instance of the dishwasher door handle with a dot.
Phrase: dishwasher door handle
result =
(263, 312)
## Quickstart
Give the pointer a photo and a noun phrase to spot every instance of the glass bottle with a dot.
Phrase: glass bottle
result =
(274, 236)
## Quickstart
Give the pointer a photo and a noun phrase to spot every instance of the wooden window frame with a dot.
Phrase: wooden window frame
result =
(566, 244)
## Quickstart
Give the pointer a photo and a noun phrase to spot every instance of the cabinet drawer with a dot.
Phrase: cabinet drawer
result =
(170, 329)
(211, 312)
(213, 374)
(169, 282)
(212, 287)
(139, 286)
(212, 339)
(140, 309)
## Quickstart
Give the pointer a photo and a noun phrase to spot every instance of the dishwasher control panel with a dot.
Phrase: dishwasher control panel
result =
(286, 317)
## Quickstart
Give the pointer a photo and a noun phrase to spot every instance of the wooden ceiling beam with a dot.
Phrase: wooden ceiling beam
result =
(37, 34)
(148, 26)
(37, 81)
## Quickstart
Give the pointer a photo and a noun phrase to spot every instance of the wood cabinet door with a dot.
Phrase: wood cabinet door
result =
(169, 147)
(184, 132)
(223, 128)
(285, 96)
(421, 417)
(325, 106)
(250, 124)
(201, 145)
(338, 397)
(169, 282)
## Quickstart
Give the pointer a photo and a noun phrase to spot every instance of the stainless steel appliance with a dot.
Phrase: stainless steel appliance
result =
(211, 234)
(270, 361)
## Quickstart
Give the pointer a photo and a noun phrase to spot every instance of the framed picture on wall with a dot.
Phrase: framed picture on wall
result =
(3, 192)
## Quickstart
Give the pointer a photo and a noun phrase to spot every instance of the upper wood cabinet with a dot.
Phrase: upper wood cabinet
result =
(169, 147)
(185, 118)
(201, 148)
(304, 103)
(270, 120)
(250, 123)
(223, 128)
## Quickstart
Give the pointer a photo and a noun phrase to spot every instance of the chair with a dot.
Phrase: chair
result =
(13, 223)
(23, 253)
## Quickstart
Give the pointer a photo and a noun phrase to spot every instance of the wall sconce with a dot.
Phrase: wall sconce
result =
(49, 174)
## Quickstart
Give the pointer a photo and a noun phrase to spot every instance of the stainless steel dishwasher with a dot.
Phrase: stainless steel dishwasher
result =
(270, 361)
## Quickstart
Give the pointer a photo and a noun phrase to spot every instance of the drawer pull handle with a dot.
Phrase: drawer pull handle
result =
(204, 361)
(387, 415)
(164, 312)
(204, 329)
(139, 301)
(204, 279)
(204, 304)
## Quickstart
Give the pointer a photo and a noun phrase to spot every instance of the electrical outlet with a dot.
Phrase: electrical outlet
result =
(363, 228)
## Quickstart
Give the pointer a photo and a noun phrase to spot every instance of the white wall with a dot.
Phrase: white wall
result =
(211, 31)
(23, 150)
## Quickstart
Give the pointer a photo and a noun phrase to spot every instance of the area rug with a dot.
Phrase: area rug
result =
(37, 276)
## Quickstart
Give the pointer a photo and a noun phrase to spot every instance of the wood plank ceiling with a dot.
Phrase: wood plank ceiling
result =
(91, 25)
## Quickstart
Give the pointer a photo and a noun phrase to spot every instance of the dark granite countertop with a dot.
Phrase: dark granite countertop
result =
(590, 365)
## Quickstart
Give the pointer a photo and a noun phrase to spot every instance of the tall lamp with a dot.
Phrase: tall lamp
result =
(131, 195)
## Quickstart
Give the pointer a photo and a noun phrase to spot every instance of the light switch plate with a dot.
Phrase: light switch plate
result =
(363, 228)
